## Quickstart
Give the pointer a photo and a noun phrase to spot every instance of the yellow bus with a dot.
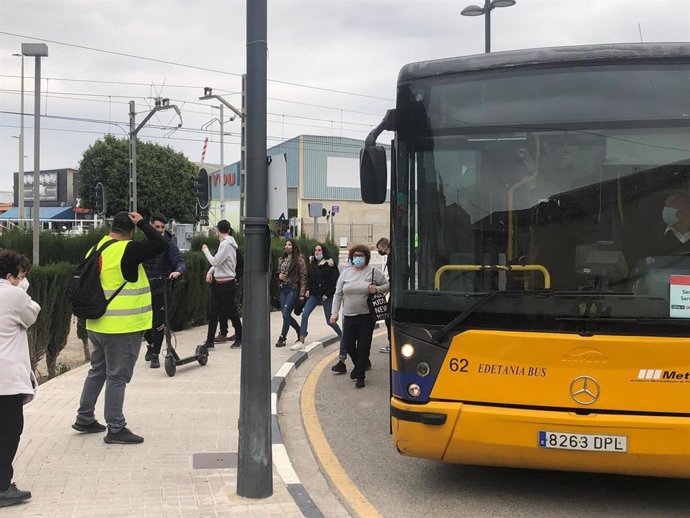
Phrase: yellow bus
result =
(540, 221)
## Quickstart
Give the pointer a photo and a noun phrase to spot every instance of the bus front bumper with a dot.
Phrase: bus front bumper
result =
(499, 436)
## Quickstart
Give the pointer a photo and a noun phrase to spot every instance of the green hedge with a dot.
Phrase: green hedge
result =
(48, 336)
(54, 247)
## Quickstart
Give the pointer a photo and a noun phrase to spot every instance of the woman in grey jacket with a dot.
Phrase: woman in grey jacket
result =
(352, 291)
(17, 381)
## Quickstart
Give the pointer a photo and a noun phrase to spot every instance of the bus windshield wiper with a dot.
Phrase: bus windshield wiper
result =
(441, 334)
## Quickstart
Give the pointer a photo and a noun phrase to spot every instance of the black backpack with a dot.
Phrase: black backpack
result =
(239, 265)
(85, 291)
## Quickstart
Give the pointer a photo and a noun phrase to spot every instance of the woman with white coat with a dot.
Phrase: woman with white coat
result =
(17, 381)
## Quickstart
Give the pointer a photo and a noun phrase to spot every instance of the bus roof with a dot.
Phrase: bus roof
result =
(612, 53)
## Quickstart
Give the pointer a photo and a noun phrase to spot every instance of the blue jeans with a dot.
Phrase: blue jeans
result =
(288, 300)
(309, 306)
(112, 364)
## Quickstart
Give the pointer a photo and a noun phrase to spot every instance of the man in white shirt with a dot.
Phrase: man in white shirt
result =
(222, 277)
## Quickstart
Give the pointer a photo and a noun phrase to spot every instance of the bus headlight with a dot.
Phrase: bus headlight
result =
(423, 369)
(407, 351)
(413, 390)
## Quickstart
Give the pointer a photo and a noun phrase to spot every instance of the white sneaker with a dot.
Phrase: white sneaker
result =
(386, 349)
(299, 346)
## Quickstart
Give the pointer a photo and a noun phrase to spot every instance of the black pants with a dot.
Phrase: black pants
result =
(154, 336)
(221, 307)
(357, 334)
(11, 427)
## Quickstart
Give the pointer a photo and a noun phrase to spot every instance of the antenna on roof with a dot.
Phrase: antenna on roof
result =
(639, 29)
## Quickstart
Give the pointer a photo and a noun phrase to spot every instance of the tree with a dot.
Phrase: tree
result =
(165, 178)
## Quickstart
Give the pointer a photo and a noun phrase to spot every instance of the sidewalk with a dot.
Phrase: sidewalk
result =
(196, 411)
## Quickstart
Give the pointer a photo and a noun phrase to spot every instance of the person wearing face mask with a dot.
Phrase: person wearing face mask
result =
(323, 276)
(383, 247)
(17, 381)
(676, 215)
(352, 292)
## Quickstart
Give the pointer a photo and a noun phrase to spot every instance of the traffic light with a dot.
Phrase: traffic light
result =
(201, 191)
(99, 199)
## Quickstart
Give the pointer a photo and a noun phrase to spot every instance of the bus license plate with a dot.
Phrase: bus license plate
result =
(583, 442)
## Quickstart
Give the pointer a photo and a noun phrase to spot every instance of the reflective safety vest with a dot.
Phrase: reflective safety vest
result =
(130, 310)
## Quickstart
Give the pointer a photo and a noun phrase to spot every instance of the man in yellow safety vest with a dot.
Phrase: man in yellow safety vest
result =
(117, 335)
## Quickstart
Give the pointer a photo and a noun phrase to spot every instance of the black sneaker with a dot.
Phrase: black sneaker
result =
(124, 436)
(359, 383)
(281, 342)
(339, 367)
(237, 344)
(353, 375)
(209, 345)
(94, 427)
(155, 362)
(147, 356)
(12, 495)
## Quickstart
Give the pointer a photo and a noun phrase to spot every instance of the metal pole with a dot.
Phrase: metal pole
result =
(255, 459)
(132, 158)
(36, 204)
(221, 173)
(487, 26)
(20, 179)
(243, 158)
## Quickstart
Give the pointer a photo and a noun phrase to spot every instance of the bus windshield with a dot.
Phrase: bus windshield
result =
(567, 189)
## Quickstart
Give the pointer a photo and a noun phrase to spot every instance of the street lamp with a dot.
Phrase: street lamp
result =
(208, 94)
(221, 175)
(20, 174)
(37, 50)
(475, 10)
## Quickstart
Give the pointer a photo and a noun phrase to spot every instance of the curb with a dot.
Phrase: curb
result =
(280, 456)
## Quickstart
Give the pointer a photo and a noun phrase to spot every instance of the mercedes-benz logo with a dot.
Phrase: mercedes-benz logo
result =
(584, 390)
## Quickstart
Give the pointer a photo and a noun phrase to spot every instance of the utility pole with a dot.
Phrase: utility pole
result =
(132, 158)
(243, 157)
(255, 459)
(37, 50)
(221, 173)
(160, 105)
(20, 176)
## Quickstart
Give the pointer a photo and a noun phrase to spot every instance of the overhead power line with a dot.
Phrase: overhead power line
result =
(227, 93)
(106, 99)
(194, 67)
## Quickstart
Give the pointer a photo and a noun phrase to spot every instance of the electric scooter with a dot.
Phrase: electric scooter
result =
(172, 359)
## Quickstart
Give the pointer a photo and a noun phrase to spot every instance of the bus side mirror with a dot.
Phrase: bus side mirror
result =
(373, 174)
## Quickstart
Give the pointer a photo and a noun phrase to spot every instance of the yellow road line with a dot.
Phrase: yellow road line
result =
(322, 449)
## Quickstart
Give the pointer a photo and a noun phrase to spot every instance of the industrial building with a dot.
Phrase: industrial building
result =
(305, 170)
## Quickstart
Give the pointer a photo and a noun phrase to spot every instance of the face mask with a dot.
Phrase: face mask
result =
(23, 284)
(358, 261)
(669, 215)
(318, 257)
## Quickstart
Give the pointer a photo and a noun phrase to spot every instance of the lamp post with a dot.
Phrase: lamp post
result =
(20, 175)
(208, 94)
(221, 174)
(489, 5)
(37, 50)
